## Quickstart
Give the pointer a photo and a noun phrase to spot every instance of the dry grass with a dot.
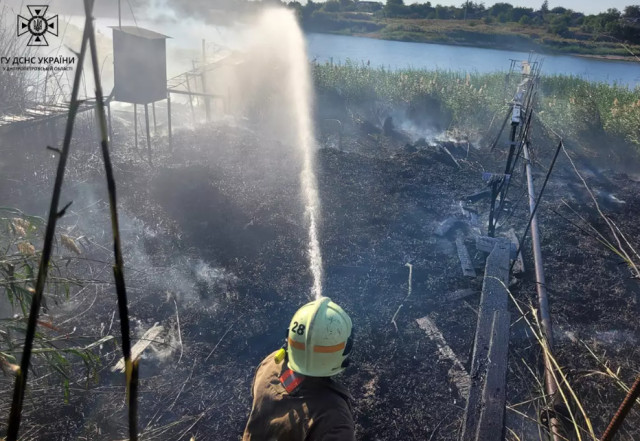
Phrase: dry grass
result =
(565, 389)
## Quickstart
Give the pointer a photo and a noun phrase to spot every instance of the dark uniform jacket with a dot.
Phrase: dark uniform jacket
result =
(318, 410)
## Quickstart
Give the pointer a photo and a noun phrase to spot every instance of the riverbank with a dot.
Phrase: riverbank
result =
(475, 33)
(630, 58)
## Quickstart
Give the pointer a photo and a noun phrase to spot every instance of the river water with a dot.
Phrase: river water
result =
(398, 55)
(186, 37)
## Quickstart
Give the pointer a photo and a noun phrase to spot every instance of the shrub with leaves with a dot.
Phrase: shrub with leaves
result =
(19, 260)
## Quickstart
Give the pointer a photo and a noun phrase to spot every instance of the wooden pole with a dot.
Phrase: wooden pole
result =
(169, 120)
(146, 120)
(155, 125)
(207, 102)
(135, 124)
(193, 114)
(110, 126)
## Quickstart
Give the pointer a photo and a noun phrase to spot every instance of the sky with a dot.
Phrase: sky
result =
(584, 6)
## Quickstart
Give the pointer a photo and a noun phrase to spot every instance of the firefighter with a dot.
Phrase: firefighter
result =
(295, 397)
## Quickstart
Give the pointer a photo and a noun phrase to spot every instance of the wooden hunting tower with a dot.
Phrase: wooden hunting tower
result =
(139, 65)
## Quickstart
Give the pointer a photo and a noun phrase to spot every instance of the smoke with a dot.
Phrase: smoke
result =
(263, 82)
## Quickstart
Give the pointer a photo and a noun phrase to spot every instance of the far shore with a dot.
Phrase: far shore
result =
(544, 51)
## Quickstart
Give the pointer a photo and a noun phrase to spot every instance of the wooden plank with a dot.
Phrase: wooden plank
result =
(465, 261)
(491, 425)
(494, 298)
(448, 225)
(486, 244)
(457, 373)
(142, 344)
(469, 214)
(460, 294)
(518, 267)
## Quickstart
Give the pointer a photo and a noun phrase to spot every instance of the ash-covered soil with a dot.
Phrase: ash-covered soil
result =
(216, 250)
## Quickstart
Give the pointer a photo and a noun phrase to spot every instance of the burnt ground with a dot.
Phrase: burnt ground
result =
(215, 245)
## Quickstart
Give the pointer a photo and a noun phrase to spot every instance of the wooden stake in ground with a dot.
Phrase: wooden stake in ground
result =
(393, 319)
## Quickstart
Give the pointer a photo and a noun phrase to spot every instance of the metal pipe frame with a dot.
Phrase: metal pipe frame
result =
(551, 386)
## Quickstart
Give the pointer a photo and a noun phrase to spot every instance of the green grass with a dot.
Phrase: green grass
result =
(569, 105)
(460, 93)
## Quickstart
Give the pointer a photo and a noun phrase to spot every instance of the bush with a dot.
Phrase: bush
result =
(525, 20)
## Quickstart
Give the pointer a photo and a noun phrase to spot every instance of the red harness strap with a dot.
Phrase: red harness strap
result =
(291, 380)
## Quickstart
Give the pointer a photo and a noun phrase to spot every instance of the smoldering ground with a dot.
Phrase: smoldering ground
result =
(216, 247)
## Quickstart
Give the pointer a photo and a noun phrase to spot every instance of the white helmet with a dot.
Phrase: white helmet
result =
(319, 339)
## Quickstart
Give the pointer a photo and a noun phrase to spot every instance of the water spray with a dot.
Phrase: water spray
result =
(284, 22)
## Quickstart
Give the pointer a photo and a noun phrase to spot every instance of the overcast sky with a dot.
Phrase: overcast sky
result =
(585, 6)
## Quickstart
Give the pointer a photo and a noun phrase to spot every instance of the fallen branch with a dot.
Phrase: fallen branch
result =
(137, 349)
(393, 319)
(179, 332)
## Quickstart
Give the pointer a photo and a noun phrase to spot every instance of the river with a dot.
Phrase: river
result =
(399, 54)
(186, 38)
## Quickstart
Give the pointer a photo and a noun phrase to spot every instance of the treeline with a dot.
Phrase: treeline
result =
(622, 25)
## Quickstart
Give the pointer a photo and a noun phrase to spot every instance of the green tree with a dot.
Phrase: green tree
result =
(331, 6)
(475, 10)
(518, 13)
(632, 11)
(420, 10)
(442, 13)
(525, 20)
(501, 9)
(395, 8)
(545, 7)
(309, 9)
(559, 24)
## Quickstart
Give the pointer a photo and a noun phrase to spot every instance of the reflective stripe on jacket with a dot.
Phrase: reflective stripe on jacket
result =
(318, 410)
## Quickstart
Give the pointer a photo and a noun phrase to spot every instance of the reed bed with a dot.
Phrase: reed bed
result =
(569, 105)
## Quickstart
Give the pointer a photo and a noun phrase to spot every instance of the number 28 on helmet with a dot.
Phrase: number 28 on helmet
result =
(320, 338)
